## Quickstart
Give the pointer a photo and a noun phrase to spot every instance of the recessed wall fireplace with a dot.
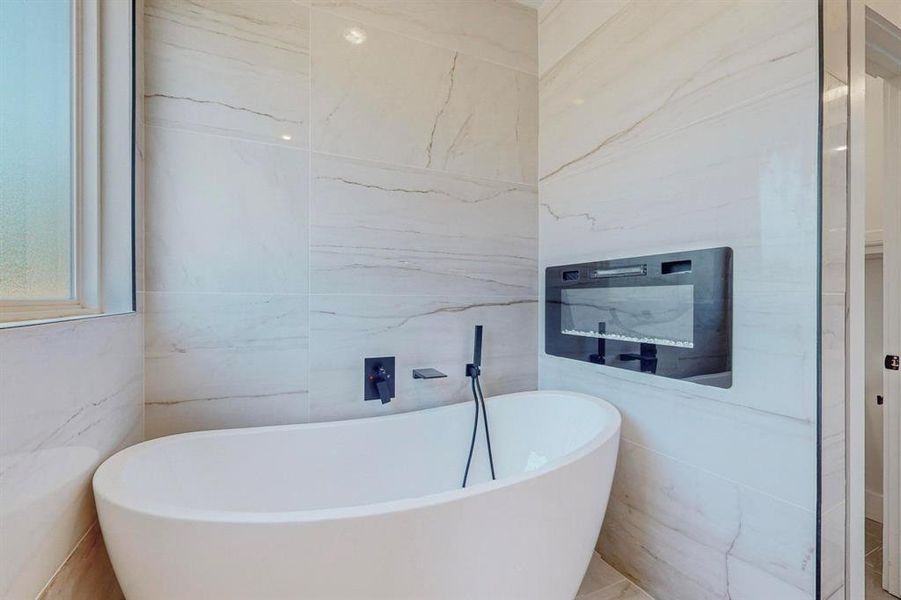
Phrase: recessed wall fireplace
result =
(665, 314)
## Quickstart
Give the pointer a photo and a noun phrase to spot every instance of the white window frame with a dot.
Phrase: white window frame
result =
(100, 41)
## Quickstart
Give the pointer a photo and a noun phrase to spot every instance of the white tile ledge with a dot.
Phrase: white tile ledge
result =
(71, 318)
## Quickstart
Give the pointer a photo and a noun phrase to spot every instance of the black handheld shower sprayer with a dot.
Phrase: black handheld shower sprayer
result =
(473, 370)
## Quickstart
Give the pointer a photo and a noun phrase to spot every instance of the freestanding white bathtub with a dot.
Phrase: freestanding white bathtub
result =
(366, 509)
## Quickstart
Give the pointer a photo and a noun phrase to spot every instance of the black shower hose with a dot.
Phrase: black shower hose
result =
(479, 398)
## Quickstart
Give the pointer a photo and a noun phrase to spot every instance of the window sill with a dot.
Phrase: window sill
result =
(93, 314)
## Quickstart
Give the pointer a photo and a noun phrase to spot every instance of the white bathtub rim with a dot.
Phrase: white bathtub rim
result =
(109, 492)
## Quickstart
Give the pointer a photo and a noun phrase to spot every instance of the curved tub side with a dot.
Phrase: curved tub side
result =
(376, 459)
(530, 540)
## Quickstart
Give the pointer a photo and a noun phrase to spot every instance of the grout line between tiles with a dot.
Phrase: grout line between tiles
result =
(477, 178)
(710, 395)
(718, 476)
(151, 124)
(610, 585)
(457, 174)
(331, 294)
(606, 587)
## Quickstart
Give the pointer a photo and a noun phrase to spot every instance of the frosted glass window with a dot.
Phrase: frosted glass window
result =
(36, 183)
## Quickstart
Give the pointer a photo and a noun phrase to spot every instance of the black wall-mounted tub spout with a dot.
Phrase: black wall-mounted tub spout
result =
(474, 369)
(427, 374)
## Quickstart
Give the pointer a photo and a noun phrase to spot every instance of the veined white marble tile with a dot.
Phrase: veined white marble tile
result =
(750, 582)
(676, 67)
(833, 549)
(232, 67)
(382, 229)
(700, 189)
(670, 417)
(835, 39)
(225, 215)
(833, 399)
(737, 195)
(684, 534)
(225, 360)
(668, 126)
(716, 194)
(421, 332)
(774, 362)
(164, 418)
(833, 280)
(503, 32)
(71, 396)
(835, 180)
(398, 100)
(563, 25)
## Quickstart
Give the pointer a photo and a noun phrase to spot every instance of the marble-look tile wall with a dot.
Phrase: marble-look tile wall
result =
(70, 396)
(832, 298)
(311, 202)
(668, 126)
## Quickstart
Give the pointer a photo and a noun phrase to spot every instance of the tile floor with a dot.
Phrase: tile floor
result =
(603, 582)
(873, 548)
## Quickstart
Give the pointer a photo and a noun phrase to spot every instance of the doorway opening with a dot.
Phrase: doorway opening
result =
(882, 310)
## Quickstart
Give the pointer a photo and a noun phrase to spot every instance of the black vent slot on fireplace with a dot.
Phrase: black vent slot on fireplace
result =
(675, 266)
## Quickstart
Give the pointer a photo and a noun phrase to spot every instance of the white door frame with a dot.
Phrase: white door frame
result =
(891, 386)
(855, 437)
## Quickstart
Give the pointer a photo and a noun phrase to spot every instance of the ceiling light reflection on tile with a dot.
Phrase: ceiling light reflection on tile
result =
(355, 35)
(286, 137)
